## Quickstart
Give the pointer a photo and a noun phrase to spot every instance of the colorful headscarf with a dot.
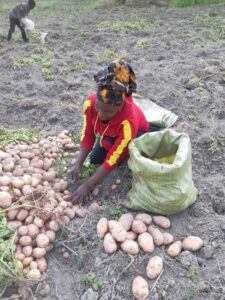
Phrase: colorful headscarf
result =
(114, 82)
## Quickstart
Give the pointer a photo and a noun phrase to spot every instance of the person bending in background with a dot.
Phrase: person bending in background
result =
(16, 14)
(111, 121)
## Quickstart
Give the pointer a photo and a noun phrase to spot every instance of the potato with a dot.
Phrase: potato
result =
(81, 212)
(38, 252)
(11, 214)
(33, 265)
(174, 249)
(29, 220)
(8, 165)
(154, 267)
(157, 235)
(70, 213)
(109, 244)
(27, 190)
(192, 243)
(168, 238)
(138, 227)
(146, 243)
(27, 250)
(126, 220)
(54, 225)
(23, 230)
(51, 235)
(5, 180)
(42, 264)
(102, 228)
(34, 274)
(38, 222)
(130, 247)
(131, 235)
(117, 230)
(25, 240)
(5, 199)
(162, 221)
(42, 240)
(140, 288)
(33, 230)
(145, 218)
(27, 260)
(22, 215)
(17, 183)
(14, 224)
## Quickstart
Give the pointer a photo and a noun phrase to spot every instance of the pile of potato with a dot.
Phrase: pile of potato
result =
(133, 234)
(32, 198)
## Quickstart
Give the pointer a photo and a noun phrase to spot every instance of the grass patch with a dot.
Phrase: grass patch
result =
(126, 27)
(17, 135)
(93, 282)
(192, 289)
(216, 144)
(10, 270)
(186, 3)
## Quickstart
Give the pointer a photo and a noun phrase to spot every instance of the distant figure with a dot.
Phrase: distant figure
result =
(16, 14)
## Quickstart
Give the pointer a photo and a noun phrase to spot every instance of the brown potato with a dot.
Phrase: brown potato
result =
(140, 288)
(109, 244)
(162, 221)
(130, 247)
(174, 249)
(157, 235)
(117, 230)
(102, 228)
(145, 218)
(38, 252)
(192, 243)
(138, 227)
(146, 243)
(154, 267)
(126, 220)
(25, 240)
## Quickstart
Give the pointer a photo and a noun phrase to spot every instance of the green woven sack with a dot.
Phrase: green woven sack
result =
(162, 173)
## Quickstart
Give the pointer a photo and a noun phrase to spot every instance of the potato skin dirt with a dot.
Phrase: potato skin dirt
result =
(179, 59)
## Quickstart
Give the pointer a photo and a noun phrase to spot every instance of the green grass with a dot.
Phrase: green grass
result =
(93, 282)
(186, 3)
(17, 135)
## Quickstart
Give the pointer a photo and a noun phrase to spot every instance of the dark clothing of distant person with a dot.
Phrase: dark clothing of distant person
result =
(16, 14)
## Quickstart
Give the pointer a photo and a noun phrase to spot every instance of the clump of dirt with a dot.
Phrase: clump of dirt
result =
(179, 59)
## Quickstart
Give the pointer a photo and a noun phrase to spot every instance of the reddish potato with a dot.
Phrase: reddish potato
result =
(138, 227)
(126, 220)
(145, 218)
(109, 244)
(157, 235)
(168, 238)
(117, 230)
(130, 247)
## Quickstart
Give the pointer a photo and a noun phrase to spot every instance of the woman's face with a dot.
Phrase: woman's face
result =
(106, 111)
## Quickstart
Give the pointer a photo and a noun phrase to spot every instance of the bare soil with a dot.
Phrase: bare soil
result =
(180, 64)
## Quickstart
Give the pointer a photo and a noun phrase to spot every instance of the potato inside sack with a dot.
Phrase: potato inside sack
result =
(140, 288)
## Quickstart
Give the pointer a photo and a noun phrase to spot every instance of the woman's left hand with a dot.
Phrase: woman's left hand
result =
(80, 195)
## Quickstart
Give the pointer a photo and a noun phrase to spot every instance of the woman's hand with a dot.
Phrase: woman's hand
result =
(75, 171)
(80, 195)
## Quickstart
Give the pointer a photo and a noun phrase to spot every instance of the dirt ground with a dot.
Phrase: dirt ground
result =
(178, 56)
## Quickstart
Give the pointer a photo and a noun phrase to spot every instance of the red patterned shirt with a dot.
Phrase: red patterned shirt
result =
(123, 127)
